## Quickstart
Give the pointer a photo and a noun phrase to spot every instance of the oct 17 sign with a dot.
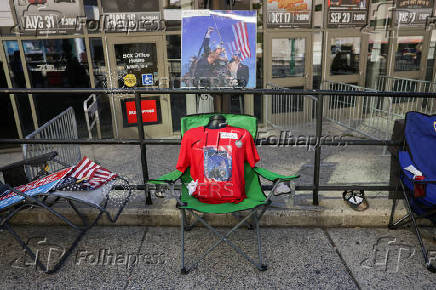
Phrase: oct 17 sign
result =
(289, 13)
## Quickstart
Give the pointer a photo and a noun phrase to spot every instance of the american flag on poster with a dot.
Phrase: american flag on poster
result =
(240, 42)
(86, 175)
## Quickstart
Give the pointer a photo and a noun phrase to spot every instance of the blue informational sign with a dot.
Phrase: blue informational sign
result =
(147, 79)
(218, 48)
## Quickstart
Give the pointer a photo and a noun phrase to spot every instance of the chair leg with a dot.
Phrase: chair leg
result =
(64, 257)
(391, 218)
(428, 264)
(400, 222)
(263, 267)
(25, 247)
(189, 227)
(183, 270)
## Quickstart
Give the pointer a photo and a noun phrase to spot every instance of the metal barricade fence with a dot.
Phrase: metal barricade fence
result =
(63, 126)
(362, 114)
(398, 107)
(286, 112)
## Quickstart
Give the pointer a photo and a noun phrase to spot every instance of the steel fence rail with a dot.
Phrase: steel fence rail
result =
(218, 91)
(317, 140)
(301, 141)
(63, 126)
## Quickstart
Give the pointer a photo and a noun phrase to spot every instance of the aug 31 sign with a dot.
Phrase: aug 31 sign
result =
(289, 13)
(347, 13)
(412, 12)
(46, 17)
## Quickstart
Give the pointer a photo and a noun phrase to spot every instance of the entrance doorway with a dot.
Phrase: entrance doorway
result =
(287, 64)
(139, 63)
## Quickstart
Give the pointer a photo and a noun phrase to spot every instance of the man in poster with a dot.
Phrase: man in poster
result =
(211, 63)
(239, 72)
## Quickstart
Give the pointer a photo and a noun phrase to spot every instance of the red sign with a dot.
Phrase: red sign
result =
(148, 108)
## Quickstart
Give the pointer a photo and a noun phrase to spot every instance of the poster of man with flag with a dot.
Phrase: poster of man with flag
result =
(218, 48)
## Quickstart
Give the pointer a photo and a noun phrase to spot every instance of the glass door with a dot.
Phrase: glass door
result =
(288, 64)
(409, 57)
(344, 71)
(344, 60)
(139, 63)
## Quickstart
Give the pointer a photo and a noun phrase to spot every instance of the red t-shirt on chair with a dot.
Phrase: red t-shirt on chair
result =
(216, 159)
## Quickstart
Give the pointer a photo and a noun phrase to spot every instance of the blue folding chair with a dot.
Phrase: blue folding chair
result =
(418, 175)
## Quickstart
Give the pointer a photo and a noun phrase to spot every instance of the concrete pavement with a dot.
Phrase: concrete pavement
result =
(148, 257)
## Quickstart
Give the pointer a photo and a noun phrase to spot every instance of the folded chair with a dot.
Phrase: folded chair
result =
(13, 201)
(418, 175)
(255, 204)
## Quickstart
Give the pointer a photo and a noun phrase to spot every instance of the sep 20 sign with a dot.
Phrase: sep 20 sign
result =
(150, 110)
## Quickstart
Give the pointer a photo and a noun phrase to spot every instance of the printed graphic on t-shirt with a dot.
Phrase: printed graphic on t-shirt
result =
(218, 163)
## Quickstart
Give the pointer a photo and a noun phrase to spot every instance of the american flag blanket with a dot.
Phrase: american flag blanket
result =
(86, 175)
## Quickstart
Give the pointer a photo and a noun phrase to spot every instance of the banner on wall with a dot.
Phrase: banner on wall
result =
(289, 13)
(412, 12)
(343, 13)
(46, 17)
(218, 48)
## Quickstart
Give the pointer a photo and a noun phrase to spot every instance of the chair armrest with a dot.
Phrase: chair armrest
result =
(406, 161)
(265, 173)
(33, 161)
(424, 181)
(171, 177)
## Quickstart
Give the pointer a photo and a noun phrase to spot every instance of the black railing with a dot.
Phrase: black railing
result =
(317, 141)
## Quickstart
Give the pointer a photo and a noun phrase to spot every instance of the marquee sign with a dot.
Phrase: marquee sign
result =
(347, 13)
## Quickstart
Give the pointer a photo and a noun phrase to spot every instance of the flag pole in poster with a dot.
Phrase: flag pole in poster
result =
(218, 48)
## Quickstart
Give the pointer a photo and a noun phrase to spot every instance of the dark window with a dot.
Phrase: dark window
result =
(8, 128)
(178, 101)
(18, 81)
(58, 63)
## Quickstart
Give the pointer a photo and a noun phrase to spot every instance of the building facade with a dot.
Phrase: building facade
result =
(301, 44)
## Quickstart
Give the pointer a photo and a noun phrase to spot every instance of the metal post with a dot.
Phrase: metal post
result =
(317, 165)
(139, 123)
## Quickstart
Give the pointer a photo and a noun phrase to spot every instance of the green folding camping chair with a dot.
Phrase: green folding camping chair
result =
(256, 202)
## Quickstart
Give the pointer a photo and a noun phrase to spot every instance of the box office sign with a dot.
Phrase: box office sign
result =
(289, 13)
(343, 13)
(150, 108)
(45, 17)
(137, 64)
(412, 12)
